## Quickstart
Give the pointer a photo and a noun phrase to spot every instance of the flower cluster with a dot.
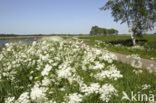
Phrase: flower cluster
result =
(74, 98)
(146, 86)
(136, 60)
(111, 73)
(44, 69)
(137, 71)
(137, 47)
(151, 68)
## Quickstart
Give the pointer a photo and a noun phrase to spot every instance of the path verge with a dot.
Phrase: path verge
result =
(132, 60)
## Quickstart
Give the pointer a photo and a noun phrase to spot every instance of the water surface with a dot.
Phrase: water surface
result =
(3, 42)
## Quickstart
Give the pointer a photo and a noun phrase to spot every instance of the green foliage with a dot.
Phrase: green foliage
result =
(140, 15)
(95, 30)
(81, 34)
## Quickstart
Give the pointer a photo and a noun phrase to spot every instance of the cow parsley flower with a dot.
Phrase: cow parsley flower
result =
(98, 65)
(112, 73)
(46, 81)
(136, 61)
(106, 91)
(46, 70)
(137, 71)
(146, 86)
(9, 100)
(93, 88)
(24, 98)
(37, 94)
(65, 72)
(74, 98)
(138, 47)
(152, 68)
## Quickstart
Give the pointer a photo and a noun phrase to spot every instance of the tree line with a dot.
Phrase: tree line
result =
(95, 30)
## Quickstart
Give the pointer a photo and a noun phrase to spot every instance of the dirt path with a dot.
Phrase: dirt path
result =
(144, 63)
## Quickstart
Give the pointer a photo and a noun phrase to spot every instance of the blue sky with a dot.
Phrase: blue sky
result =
(55, 16)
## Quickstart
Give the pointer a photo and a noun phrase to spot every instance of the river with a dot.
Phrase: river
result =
(3, 42)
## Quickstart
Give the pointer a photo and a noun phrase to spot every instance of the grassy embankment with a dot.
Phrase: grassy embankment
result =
(54, 64)
(122, 44)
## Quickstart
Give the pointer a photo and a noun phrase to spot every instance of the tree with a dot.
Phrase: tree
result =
(140, 15)
(95, 30)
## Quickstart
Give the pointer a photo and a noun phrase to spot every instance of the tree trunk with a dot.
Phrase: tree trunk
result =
(132, 37)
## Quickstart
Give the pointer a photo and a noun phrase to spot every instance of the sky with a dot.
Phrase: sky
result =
(55, 17)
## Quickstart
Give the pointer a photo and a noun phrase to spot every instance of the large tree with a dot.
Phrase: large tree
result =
(140, 15)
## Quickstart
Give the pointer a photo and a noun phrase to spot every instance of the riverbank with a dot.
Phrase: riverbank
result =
(27, 40)
(18, 37)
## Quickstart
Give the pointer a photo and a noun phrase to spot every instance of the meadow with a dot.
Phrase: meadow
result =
(55, 70)
(145, 48)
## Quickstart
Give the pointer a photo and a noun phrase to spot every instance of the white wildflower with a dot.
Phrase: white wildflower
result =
(109, 57)
(138, 47)
(137, 71)
(46, 81)
(24, 98)
(136, 61)
(37, 94)
(10, 100)
(65, 72)
(74, 98)
(111, 74)
(151, 68)
(146, 86)
(106, 91)
(93, 88)
(98, 66)
(46, 70)
(31, 77)
(34, 43)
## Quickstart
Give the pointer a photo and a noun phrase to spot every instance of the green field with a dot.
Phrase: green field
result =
(146, 46)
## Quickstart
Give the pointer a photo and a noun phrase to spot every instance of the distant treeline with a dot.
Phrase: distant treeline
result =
(95, 30)
(15, 35)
